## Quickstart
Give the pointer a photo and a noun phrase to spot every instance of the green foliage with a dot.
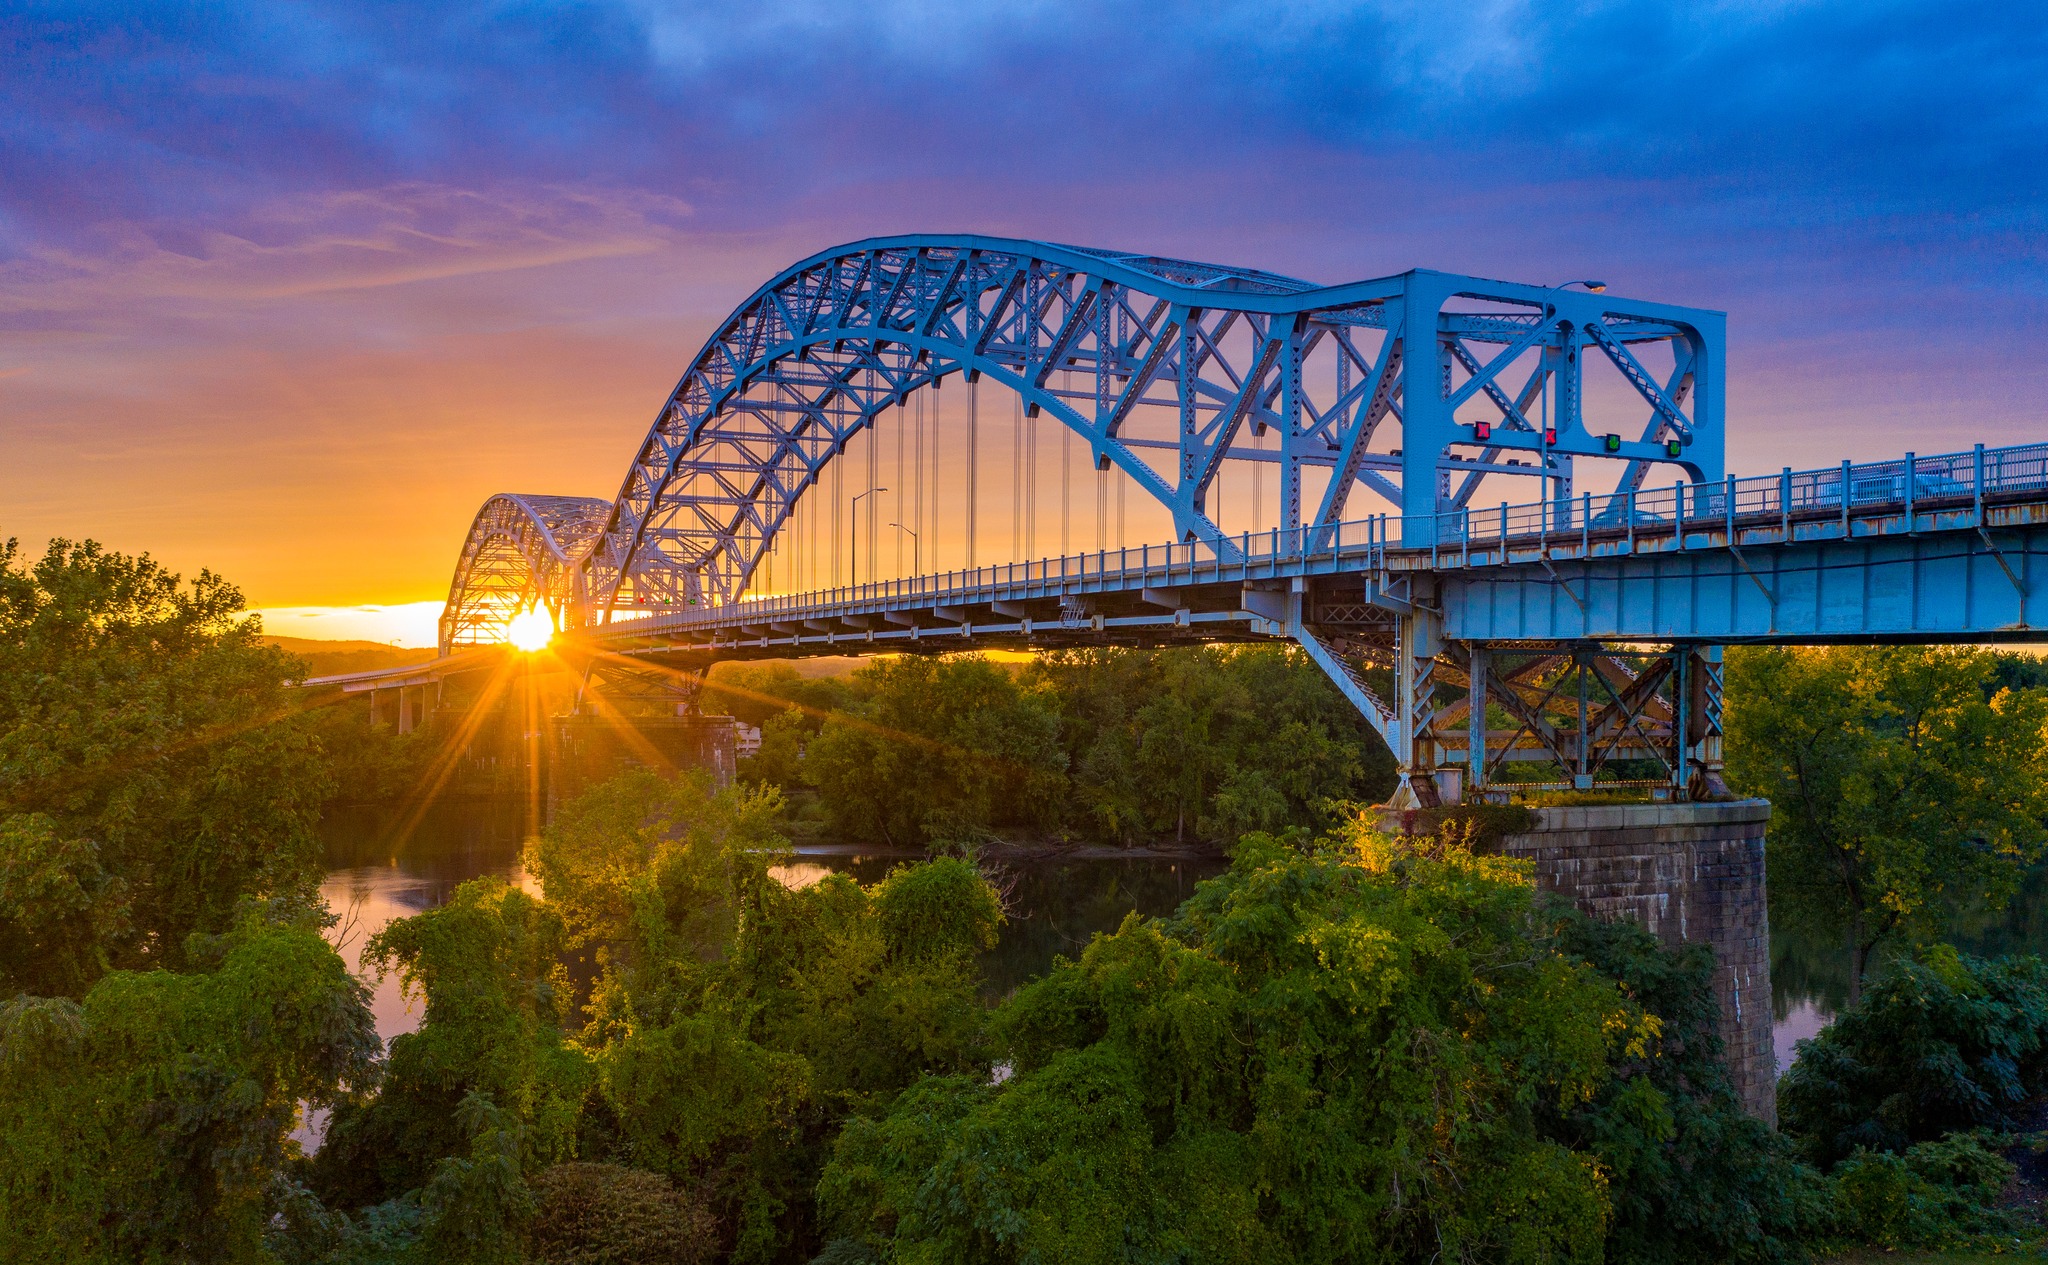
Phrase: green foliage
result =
(1350, 1051)
(641, 842)
(1935, 1192)
(488, 965)
(150, 1123)
(1694, 1177)
(303, 1231)
(779, 762)
(475, 1210)
(151, 776)
(934, 750)
(1124, 745)
(602, 1214)
(733, 1075)
(754, 692)
(61, 913)
(1907, 786)
(940, 912)
(373, 765)
(1211, 742)
(734, 1025)
(1942, 1044)
(1479, 827)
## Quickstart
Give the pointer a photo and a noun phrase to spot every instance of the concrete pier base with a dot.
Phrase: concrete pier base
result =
(1691, 874)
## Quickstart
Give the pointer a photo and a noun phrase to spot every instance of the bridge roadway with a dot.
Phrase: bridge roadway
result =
(1925, 549)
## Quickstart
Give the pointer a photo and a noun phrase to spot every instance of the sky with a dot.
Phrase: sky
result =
(288, 288)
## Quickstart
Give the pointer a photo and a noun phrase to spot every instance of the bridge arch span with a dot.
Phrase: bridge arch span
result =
(1167, 369)
(522, 551)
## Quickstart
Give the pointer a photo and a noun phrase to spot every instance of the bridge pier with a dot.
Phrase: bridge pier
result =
(1690, 874)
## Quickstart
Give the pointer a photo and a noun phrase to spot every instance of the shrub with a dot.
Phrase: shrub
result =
(1933, 1193)
(602, 1214)
(1340, 1050)
(1942, 1044)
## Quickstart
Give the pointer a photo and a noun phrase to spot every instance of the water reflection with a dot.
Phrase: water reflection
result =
(379, 871)
(1810, 975)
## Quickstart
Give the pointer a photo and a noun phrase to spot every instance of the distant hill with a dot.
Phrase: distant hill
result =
(330, 658)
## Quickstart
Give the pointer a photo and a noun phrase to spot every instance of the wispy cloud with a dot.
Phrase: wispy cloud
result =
(328, 242)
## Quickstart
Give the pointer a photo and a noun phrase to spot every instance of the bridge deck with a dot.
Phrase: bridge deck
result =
(1849, 553)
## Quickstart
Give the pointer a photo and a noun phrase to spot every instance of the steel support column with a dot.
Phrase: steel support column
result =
(1476, 665)
(1419, 640)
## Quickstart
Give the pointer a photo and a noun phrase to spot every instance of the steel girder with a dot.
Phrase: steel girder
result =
(1165, 359)
(521, 552)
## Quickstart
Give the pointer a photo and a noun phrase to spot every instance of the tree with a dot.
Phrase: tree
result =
(151, 1121)
(937, 750)
(488, 964)
(152, 775)
(1908, 786)
(1942, 1044)
(734, 1025)
(1209, 742)
(1340, 1051)
(705, 851)
(753, 692)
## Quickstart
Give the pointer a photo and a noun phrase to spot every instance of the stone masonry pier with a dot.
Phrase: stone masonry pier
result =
(1691, 874)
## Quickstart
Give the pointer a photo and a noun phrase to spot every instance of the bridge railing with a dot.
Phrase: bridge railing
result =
(1167, 563)
(1911, 483)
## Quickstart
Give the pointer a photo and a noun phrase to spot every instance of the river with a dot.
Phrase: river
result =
(1054, 906)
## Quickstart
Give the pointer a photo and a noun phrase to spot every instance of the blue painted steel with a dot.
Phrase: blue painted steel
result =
(1960, 565)
(1397, 385)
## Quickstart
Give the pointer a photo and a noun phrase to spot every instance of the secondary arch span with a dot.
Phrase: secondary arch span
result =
(522, 551)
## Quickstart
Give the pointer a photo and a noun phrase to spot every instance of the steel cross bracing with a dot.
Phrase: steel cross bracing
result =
(1595, 642)
(1170, 367)
(1588, 620)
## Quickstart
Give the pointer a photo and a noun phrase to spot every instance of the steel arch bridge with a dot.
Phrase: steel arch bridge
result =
(1391, 403)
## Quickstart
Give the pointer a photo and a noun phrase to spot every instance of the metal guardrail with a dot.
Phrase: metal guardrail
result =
(1910, 484)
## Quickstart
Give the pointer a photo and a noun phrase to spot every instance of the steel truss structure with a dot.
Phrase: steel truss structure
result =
(522, 552)
(1443, 619)
(1413, 388)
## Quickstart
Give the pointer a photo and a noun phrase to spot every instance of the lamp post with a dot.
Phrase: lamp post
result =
(916, 549)
(853, 559)
(1595, 286)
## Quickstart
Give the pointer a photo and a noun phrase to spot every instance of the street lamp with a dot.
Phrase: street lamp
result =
(853, 561)
(1595, 286)
(916, 549)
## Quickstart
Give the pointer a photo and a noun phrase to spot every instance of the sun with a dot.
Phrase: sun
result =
(530, 630)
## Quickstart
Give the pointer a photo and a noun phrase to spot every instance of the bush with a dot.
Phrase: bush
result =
(150, 1122)
(1943, 1044)
(602, 1214)
(1934, 1193)
(1695, 1178)
(1359, 1049)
